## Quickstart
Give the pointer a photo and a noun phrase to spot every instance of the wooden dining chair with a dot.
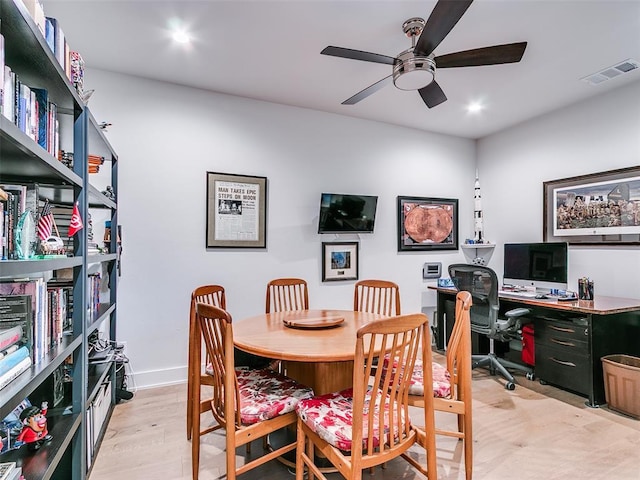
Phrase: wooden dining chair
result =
(248, 403)
(213, 295)
(365, 426)
(376, 296)
(452, 383)
(287, 294)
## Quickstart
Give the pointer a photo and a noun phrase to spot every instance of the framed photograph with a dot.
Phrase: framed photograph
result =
(339, 261)
(595, 209)
(427, 223)
(236, 211)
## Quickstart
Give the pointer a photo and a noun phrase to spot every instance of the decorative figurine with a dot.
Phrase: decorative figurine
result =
(477, 211)
(109, 193)
(34, 427)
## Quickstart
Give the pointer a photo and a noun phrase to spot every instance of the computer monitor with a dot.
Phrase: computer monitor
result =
(543, 265)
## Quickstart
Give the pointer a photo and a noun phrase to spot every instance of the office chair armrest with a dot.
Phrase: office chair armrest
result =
(517, 312)
(513, 320)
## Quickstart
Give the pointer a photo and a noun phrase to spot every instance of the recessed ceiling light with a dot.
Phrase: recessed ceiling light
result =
(179, 32)
(475, 107)
(181, 36)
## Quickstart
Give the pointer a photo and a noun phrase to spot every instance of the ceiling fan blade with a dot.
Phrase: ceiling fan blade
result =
(368, 91)
(432, 94)
(510, 53)
(358, 55)
(443, 18)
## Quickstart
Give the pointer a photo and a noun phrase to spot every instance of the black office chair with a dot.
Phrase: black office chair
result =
(482, 283)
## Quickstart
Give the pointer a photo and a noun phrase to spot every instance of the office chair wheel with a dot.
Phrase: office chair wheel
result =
(510, 386)
(530, 376)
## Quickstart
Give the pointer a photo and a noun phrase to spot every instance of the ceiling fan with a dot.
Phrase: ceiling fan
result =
(415, 68)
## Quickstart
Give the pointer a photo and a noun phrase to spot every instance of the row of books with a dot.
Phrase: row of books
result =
(29, 108)
(10, 471)
(18, 204)
(94, 284)
(33, 317)
(70, 61)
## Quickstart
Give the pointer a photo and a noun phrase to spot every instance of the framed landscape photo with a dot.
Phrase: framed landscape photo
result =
(339, 261)
(599, 208)
(427, 223)
(236, 211)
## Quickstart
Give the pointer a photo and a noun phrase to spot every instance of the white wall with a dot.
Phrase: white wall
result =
(167, 137)
(593, 136)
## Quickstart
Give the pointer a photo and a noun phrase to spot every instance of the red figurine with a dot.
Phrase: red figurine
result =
(34, 430)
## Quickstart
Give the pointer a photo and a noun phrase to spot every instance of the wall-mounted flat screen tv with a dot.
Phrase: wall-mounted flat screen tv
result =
(342, 213)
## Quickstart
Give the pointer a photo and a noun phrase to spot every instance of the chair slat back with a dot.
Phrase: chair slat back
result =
(214, 325)
(209, 294)
(377, 296)
(459, 348)
(401, 337)
(287, 294)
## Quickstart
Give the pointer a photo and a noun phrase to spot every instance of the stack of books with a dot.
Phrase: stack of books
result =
(10, 471)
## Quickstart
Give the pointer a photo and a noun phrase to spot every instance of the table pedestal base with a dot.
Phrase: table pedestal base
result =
(323, 377)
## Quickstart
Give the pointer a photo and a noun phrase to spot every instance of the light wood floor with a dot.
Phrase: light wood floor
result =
(534, 432)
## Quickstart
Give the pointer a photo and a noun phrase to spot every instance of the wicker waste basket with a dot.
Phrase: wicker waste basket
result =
(622, 383)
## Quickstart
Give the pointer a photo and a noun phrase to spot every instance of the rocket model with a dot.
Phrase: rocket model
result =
(477, 211)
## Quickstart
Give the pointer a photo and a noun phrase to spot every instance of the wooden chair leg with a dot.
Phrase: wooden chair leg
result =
(195, 436)
(300, 446)
(468, 447)
(190, 396)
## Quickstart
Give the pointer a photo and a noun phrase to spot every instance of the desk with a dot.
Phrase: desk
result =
(321, 359)
(608, 325)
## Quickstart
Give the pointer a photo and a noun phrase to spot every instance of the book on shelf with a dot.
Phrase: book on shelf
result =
(10, 361)
(16, 311)
(12, 294)
(9, 336)
(46, 121)
(15, 372)
(10, 471)
(6, 470)
(34, 7)
(8, 92)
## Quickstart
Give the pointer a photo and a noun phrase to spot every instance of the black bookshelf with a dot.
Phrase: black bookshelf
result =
(25, 162)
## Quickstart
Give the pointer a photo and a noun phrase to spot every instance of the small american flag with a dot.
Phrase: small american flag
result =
(45, 223)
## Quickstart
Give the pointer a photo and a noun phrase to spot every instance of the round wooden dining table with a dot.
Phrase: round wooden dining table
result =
(316, 346)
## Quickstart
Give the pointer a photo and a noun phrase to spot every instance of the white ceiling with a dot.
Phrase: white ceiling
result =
(270, 50)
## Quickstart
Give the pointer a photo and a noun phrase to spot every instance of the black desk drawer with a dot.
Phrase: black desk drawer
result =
(566, 331)
(567, 344)
(563, 367)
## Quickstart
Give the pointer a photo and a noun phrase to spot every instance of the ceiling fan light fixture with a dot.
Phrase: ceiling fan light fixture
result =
(413, 72)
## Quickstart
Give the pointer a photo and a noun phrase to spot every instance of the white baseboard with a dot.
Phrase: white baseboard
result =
(158, 378)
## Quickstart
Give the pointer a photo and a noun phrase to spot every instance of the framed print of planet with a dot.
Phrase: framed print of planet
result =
(427, 223)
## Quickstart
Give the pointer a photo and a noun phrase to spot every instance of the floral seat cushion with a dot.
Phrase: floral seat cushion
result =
(330, 416)
(441, 378)
(265, 394)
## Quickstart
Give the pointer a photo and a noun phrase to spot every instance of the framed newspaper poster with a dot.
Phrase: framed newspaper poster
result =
(594, 209)
(236, 211)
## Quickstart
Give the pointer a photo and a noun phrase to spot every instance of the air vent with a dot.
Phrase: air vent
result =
(611, 72)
